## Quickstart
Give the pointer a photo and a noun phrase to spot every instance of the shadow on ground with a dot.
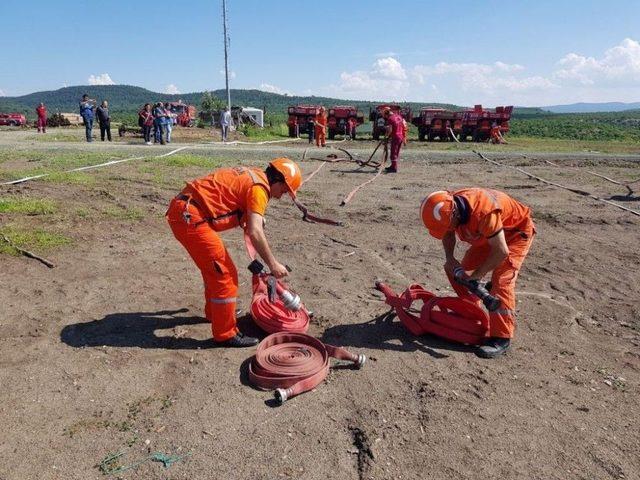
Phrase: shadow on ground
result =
(382, 333)
(134, 329)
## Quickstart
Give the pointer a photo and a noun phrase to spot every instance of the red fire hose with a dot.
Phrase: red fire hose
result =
(451, 318)
(294, 363)
(272, 315)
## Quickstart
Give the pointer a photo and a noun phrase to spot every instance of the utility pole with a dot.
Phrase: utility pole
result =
(226, 55)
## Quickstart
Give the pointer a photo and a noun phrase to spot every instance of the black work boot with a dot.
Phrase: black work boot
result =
(240, 340)
(493, 347)
(391, 169)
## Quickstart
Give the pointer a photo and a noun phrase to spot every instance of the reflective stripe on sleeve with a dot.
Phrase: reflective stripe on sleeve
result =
(223, 300)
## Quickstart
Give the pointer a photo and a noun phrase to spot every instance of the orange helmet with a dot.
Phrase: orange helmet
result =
(290, 171)
(437, 212)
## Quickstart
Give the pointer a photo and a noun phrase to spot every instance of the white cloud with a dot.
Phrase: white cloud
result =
(620, 65)
(267, 87)
(2, 93)
(171, 89)
(102, 79)
(387, 79)
(232, 74)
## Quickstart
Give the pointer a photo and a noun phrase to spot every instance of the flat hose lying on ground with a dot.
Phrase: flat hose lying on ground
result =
(294, 363)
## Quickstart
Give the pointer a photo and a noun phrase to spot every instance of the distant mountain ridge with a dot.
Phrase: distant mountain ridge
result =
(126, 99)
(583, 107)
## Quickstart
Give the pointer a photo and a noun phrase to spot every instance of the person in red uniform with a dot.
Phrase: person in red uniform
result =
(225, 199)
(41, 110)
(395, 134)
(500, 231)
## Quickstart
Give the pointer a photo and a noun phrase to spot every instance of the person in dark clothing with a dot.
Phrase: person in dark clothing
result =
(146, 121)
(86, 111)
(311, 128)
(159, 120)
(102, 112)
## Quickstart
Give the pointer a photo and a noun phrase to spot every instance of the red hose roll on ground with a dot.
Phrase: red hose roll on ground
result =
(451, 318)
(274, 317)
(293, 363)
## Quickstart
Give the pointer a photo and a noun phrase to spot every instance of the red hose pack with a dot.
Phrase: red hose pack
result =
(451, 318)
(275, 317)
(293, 363)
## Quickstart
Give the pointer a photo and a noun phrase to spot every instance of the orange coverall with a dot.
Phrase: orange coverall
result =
(489, 212)
(405, 131)
(220, 201)
(321, 129)
(495, 135)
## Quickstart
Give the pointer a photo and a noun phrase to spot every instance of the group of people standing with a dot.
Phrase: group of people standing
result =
(159, 119)
(89, 111)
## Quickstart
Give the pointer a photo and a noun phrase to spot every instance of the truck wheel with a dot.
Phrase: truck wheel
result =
(12, 123)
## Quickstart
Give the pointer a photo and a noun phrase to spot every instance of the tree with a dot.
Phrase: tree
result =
(210, 103)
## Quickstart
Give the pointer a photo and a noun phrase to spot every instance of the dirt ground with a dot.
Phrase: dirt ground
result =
(108, 352)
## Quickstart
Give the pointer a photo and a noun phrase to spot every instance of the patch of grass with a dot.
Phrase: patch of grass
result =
(276, 132)
(120, 213)
(74, 178)
(31, 239)
(83, 212)
(28, 206)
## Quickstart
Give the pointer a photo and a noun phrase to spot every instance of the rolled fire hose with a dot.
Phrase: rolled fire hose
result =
(283, 312)
(294, 363)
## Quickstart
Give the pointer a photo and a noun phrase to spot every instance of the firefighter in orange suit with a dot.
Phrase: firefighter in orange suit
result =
(500, 231)
(225, 199)
(321, 128)
(496, 136)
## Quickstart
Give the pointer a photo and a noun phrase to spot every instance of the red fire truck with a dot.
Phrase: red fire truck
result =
(299, 118)
(343, 120)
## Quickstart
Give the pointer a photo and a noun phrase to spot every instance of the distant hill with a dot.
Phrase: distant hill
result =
(593, 107)
(127, 99)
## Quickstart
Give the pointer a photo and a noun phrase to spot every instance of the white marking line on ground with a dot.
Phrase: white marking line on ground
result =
(89, 167)
(237, 142)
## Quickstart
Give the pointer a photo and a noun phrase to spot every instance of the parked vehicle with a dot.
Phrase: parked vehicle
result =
(299, 118)
(343, 120)
(13, 119)
(476, 123)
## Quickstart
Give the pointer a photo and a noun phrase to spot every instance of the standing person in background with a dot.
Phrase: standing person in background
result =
(169, 124)
(321, 128)
(225, 123)
(86, 112)
(395, 134)
(159, 120)
(311, 126)
(41, 110)
(145, 119)
(102, 112)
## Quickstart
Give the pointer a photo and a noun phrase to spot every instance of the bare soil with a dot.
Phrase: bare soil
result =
(108, 351)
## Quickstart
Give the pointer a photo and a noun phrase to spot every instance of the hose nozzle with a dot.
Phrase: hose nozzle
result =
(291, 301)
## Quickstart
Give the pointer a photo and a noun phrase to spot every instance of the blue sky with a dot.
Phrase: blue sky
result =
(484, 51)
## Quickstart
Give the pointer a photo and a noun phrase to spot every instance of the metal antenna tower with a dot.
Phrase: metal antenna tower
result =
(226, 55)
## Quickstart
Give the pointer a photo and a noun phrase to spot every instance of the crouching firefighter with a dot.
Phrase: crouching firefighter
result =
(225, 199)
(500, 231)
